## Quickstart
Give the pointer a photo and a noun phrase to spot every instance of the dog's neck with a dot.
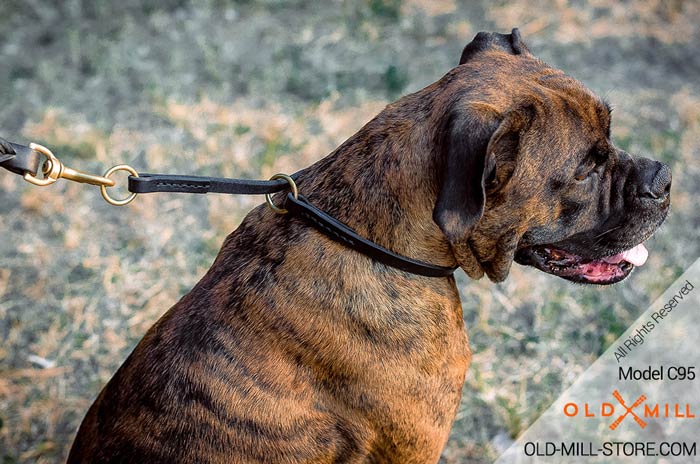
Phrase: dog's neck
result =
(382, 182)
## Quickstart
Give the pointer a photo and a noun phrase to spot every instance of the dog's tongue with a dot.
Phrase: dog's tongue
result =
(637, 256)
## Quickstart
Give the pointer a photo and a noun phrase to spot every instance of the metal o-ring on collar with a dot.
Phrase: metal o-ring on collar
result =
(292, 185)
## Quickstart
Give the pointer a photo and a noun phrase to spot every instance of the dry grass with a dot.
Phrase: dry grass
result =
(667, 21)
(249, 89)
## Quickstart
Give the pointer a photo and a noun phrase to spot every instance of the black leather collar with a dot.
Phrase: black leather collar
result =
(23, 160)
(339, 232)
(334, 229)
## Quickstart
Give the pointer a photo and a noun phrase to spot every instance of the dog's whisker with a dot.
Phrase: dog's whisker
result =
(608, 231)
(600, 237)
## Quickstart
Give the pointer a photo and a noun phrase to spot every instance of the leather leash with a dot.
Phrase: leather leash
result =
(27, 161)
(19, 158)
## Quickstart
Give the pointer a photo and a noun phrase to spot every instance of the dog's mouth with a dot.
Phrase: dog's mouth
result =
(602, 271)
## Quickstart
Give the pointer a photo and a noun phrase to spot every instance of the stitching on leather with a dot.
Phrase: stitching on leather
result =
(168, 184)
(326, 228)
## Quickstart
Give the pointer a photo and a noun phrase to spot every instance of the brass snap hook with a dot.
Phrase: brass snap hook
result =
(292, 185)
(53, 170)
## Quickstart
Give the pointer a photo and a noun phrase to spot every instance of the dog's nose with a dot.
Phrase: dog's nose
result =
(655, 182)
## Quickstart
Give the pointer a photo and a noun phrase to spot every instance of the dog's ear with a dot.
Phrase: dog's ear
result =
(472, 137)
(511, 43)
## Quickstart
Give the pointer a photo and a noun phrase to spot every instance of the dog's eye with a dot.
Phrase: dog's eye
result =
(594, 160)
(583, 172)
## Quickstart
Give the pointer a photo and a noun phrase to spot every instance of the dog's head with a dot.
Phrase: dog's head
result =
(529, 171)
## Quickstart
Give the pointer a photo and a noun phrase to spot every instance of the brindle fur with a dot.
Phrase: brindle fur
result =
(295, 349)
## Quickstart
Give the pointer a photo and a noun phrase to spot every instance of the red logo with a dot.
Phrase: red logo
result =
(629, 410)
(620, 411)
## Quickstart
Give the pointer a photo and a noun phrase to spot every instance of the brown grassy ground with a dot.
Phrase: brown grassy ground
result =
(255, 87)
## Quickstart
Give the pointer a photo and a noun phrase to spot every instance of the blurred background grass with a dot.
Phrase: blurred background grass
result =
(250, 88)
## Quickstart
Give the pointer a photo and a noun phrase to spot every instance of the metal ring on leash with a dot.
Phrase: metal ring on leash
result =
(103, 188)
(292, 185)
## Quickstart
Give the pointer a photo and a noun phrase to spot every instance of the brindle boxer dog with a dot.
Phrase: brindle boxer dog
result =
(296, 349)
